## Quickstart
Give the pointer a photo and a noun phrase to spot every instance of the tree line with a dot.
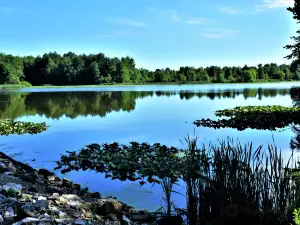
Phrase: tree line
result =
(71, 69)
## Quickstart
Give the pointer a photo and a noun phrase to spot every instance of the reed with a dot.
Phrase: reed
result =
(234, 174)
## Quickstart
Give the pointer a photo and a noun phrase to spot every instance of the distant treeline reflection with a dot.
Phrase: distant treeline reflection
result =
(72, 104)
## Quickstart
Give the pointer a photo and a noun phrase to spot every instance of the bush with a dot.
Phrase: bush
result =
(296, 218)
(25, 84)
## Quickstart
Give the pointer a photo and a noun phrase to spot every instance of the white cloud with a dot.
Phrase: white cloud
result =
(118, 34)
(129, 22)
(217, 33)
(171, 13)
(5, 10)
(271, 4)
(229, 10)
(194, 21)
(278, 3)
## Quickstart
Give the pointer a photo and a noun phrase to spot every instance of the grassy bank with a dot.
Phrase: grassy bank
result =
(18, 86)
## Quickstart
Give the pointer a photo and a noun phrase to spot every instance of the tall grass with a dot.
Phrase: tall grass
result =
(233, 174)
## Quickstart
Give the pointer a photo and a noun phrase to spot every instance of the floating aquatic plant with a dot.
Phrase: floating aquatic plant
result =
(8, 127)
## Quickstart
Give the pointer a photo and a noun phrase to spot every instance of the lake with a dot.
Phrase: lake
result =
(153, 113)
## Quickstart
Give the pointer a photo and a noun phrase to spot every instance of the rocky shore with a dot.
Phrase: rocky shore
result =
(29, 196)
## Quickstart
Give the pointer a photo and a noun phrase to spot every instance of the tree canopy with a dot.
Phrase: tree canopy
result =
(71, 69)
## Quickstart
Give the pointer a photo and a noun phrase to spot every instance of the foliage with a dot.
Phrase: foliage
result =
(71, 69)
(296, 218)
(215, 176)
(11, 193)
(295, 10)
(249, 75)
(254, 117)
(25, 84)
(8, 127)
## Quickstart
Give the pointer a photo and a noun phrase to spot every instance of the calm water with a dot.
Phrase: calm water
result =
(80, 116)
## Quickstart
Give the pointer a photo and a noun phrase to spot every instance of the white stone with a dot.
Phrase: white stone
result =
(14, 186)
(79, 222)
(42, 198)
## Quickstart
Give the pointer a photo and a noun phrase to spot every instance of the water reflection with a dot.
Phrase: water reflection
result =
(162, 114)
(54, 105)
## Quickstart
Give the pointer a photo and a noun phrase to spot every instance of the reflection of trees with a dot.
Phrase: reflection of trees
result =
(72, 104)
(295, 141)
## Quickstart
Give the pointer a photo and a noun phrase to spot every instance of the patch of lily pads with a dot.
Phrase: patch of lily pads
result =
(125, 162)
(269, 117)
(8, 127)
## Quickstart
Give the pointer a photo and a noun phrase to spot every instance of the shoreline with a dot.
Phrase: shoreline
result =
(12, 86)
(30, 196)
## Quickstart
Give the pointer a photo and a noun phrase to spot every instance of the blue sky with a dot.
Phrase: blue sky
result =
(156, 33)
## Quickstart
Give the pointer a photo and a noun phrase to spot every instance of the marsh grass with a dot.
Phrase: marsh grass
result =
(234, 174)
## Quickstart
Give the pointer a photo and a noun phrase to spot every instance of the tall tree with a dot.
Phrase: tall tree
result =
(295, 47)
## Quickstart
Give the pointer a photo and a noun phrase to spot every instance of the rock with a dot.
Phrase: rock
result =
(29, 211)
(113, 217)
(2, 167)
(16, 187)
(28, 220)
(79, 222)
(1, 219)
(12, 167)
(51, 178)
(2, 197)
(41, 205)
(95, 195)
(61, 214)
(9, 213)
(110, 207)
(42, 198)
(107, 222)
(45, 173)
(9, 201)
(126, 221)
(55, 195)
(88, 215)
(70, 199)
(76, 186)
(9, 173)
(28, 177)
(52, 189)
(25, 198)
(32, 189)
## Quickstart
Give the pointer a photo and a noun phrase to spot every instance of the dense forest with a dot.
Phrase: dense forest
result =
(72, 69)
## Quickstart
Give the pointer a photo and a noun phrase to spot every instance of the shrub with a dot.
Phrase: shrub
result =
(25, 84)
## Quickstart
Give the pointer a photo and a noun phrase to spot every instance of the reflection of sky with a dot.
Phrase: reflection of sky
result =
(155, 119)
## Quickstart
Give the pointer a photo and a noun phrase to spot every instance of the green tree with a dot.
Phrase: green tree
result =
(95, 72)
(249, 75)
(220, 78)
(279, 75)
(295, 47)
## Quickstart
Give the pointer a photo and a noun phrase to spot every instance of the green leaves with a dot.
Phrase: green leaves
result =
(254, 117)
(125, 162)
(17, 127)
